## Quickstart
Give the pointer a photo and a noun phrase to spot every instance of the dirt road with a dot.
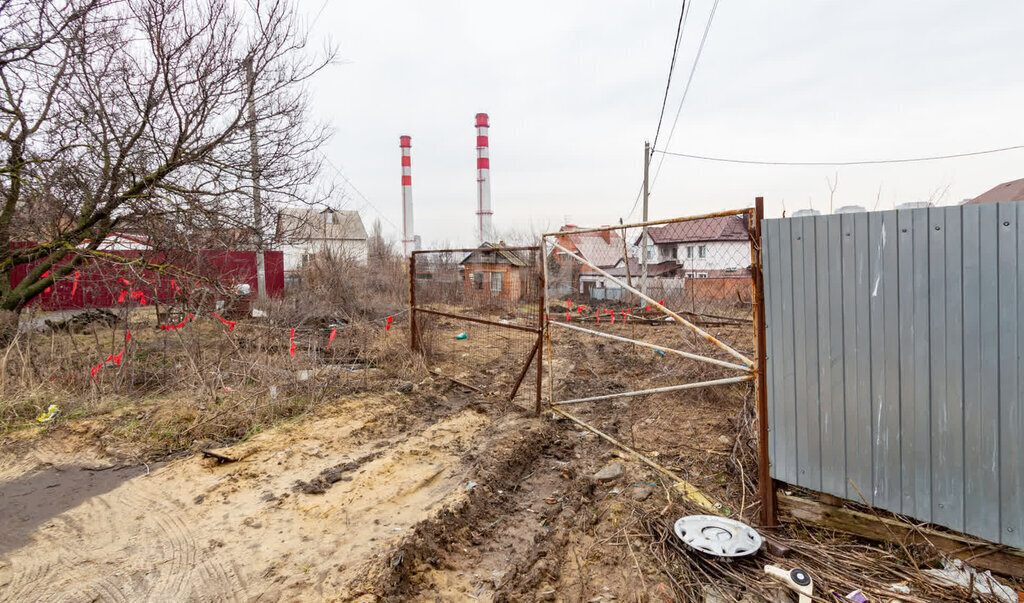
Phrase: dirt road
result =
(299, 514)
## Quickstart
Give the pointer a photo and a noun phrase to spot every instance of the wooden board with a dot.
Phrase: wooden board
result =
(978, 553)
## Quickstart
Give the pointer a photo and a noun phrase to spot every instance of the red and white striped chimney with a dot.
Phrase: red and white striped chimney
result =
(483, 179)
(408, 234)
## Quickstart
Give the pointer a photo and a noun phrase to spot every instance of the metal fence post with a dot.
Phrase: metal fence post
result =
(413, 335)
(765, 485)
(540, 323)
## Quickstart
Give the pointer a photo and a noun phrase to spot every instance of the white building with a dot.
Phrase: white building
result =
(303, 233)
(704, 248)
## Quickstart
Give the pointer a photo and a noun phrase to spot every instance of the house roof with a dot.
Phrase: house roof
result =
(720, 228)
(635, 268)
(490, 253)
(301, 224)
(602, 248)
(119, 241)
(1007, 191)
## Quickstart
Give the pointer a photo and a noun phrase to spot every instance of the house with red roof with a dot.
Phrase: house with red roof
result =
(604, 249)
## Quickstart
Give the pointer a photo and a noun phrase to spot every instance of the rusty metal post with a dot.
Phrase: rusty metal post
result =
(765, 484)
(413, 335)
(541, 310)
(544, 312)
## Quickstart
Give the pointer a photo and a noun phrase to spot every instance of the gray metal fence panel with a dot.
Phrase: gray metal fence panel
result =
(896, 361)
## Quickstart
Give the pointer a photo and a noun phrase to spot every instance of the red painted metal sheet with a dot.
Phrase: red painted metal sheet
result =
(101, 284)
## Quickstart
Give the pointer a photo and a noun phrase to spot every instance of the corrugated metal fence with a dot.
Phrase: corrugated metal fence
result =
(896, 361)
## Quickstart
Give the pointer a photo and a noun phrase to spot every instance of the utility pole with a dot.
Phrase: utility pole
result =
(643, 237)
(257, 206)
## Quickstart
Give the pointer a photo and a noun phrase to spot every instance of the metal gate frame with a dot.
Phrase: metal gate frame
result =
(751, 370)
(536, 351)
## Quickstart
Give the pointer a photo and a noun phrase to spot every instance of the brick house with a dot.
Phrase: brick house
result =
(496, 273)
(605, 249)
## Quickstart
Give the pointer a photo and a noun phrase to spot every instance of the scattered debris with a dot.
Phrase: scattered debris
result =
(856, 597)
(462, 335)
(458, 382)
(74, 321)
(51, 413)
(797, 579)
(221, 459)
(958, 573)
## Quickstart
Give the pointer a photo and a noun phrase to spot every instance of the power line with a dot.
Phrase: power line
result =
(683, 13)
(358, 192)
(841, 163)
(686, 89)
(671, 69)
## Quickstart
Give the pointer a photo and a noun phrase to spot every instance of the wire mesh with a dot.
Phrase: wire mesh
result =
(478, 316)
(699, 268)
(607, 339)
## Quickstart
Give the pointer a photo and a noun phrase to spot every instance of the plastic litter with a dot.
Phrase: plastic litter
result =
(856, 596)
(51, 413)
(958, 573)
(797, 579)
(659, 352)
(461, 336)
(470, 486)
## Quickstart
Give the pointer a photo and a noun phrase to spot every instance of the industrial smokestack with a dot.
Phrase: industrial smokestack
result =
(483, 179)
(408, 236)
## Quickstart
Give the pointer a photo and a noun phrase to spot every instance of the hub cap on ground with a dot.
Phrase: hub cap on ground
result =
(718, 535)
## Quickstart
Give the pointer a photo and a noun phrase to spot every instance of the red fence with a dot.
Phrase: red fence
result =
(100, 284)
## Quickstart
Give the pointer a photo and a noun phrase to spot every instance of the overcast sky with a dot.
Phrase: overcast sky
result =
(574, 88)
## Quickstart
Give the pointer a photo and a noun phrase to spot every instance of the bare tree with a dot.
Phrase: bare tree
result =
(134, 113)
(380, 248)
(832, 185)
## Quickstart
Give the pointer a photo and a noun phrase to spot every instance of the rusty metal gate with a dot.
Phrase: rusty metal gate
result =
(666, 306)
(475, 316)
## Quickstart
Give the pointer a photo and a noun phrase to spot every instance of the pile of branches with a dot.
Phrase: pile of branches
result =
(836, 564)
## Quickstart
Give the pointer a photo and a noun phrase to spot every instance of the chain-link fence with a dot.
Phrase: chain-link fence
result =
(650, 328)
(476, 317)
(700, 268)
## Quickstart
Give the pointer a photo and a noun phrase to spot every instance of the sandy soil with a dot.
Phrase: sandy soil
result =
(197, 530)
(439, 495)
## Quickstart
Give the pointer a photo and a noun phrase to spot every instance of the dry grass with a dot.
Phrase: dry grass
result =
(201, 384)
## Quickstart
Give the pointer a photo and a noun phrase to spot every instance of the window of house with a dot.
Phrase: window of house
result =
(696, 275)
(650, 253)
(496, 279)
(478, 279)
(674, 253)
(702, 251)
(689, 252)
